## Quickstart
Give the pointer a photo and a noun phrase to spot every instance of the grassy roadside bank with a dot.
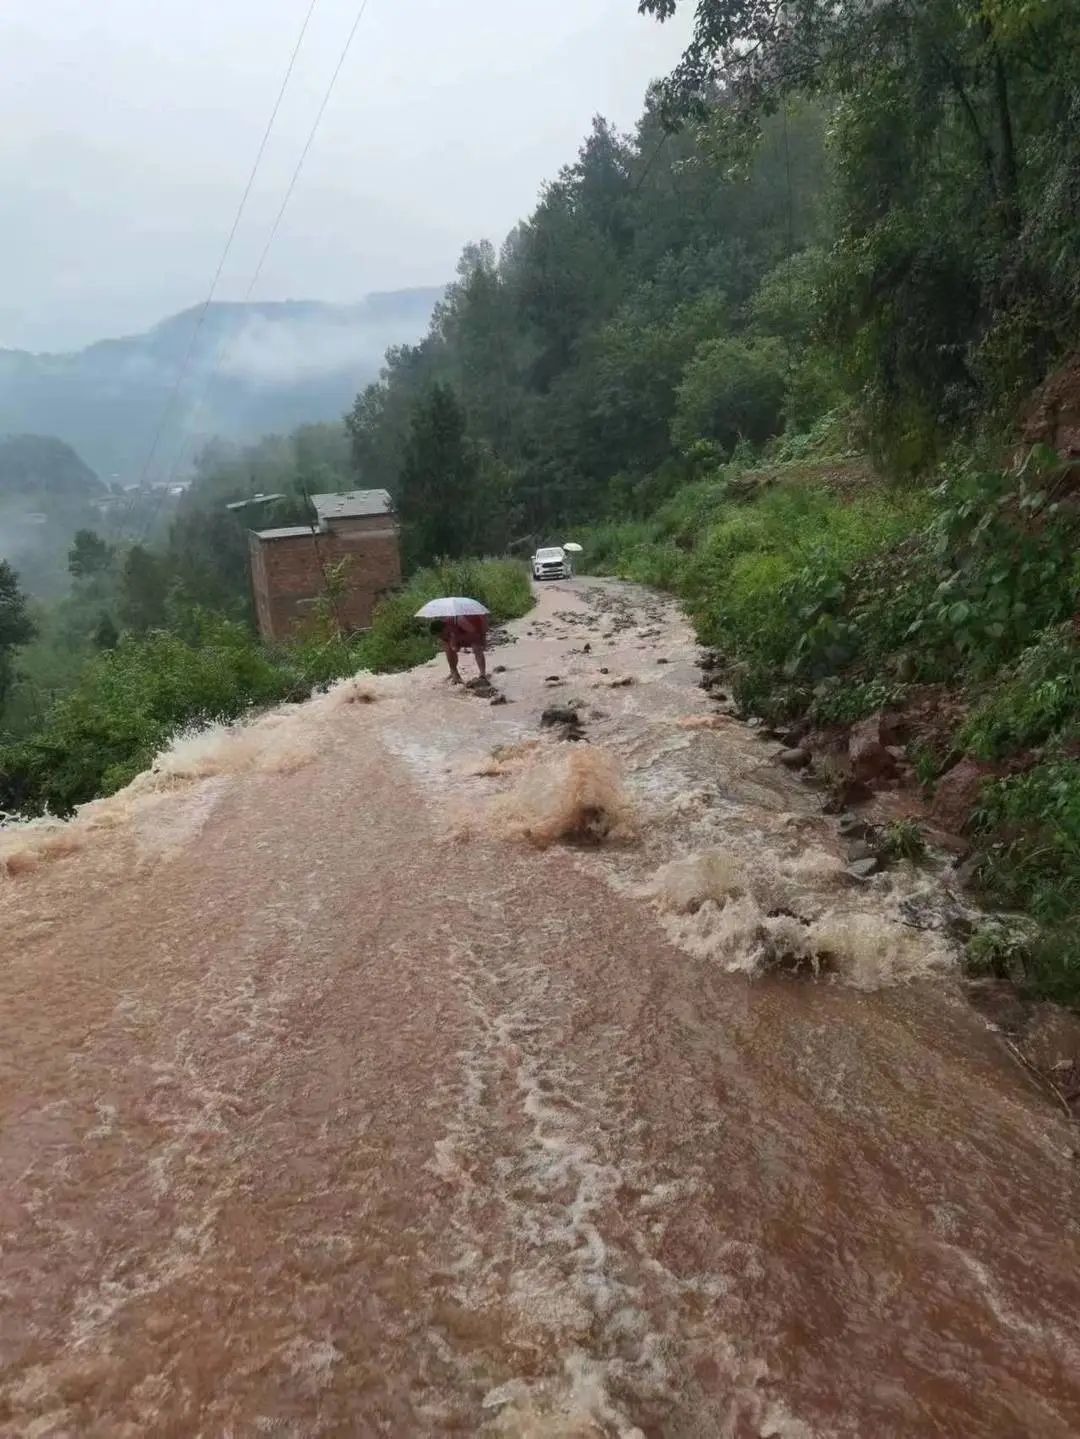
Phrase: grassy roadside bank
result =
(941, 620)
(129, 702)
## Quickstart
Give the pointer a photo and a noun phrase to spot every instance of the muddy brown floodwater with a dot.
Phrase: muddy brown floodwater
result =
(344, 1094)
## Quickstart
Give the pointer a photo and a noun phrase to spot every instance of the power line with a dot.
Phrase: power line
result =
(307, 146)
(171, 401)
(664, 138)
(278, 217)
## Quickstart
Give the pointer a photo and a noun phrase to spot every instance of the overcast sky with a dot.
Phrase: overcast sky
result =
(128, 128)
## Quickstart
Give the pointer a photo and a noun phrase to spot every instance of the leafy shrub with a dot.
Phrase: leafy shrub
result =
(1043, 963)
(767, 579)
(633, 551)
(999, 950)
(830, 437)
(1033, 823)
(769, 583)
(1006, 554)
(843, 701)
(904, 840)
(731, 390)
(926, 761)
(1039, 697)
(1053, 965)
(127, 704)
(1031, 826)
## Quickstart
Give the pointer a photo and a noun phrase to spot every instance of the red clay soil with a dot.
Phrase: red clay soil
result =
(1053, 416)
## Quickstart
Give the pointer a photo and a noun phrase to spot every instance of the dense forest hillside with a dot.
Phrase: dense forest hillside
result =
(46, 494)
(43, 473)
(869, 206)
(252, 368)
(583, 354)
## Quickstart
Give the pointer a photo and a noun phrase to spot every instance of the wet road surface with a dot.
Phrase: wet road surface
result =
(333, 1104)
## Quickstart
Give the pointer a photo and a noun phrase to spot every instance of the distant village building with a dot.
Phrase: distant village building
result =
(288, 566)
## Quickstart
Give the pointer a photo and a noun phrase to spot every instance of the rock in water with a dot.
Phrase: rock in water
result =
(559, 714)
(797, 758)
(957, 793)
(852, 827)
(870, 759)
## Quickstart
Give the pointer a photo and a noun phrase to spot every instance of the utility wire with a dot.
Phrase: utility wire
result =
(188, 354)
(664, 138)
(307, 146)
(224, 348)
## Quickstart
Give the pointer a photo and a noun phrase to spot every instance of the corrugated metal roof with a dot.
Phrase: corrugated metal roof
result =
(287, 533)
(352, 505)
(259, 499)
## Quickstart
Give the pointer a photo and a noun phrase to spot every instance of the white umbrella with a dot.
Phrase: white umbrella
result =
(450, 608)
(572, 549)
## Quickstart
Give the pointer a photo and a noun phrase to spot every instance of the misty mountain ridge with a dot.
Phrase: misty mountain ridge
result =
(255, 367)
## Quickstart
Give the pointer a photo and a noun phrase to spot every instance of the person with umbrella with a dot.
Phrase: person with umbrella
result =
(461, 624)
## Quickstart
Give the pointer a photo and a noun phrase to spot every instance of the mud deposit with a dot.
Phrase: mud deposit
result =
(399, 1064)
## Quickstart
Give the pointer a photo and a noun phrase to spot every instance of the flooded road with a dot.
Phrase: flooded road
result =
(343, 1095)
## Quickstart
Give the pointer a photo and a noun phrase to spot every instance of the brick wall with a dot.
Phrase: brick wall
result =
(286, 575)
(359, 524)
(260, 585)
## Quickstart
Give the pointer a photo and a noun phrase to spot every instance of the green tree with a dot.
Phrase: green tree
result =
(89, 555)
(633, 369)
(106, 635)
(16, 626)
(379, 421)
(952, 284)
(438, 485)
(566, 348)
(474, 330)
(733, 390)
(144, 587)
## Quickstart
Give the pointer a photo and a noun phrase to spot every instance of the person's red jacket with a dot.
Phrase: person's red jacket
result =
(465, 632)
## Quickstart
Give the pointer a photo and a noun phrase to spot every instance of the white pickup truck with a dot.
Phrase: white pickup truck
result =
(552, 563)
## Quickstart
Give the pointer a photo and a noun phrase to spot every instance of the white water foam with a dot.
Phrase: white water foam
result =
(566, 793)
(715, 908)
(277, 742)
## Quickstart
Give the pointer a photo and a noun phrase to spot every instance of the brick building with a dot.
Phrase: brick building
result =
(288, 565)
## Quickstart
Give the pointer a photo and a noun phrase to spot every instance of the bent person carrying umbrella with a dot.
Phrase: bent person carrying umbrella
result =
(461, 624)
(464, 632)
